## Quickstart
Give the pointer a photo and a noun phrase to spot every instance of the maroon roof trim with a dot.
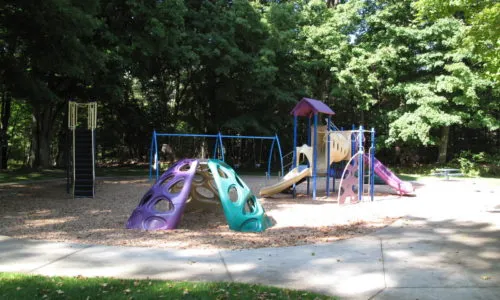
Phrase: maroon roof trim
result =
(307, 106)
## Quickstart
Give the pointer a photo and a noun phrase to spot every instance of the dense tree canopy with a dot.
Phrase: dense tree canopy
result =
(424, 73)
(482, 21)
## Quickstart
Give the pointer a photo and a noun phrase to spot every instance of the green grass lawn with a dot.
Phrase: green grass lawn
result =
(19, 286)
(30, 174)
(122, 171)
(409, 177)
(26, 174)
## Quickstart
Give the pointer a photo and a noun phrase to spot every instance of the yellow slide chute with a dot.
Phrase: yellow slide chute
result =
(294, 176)
(340, 149)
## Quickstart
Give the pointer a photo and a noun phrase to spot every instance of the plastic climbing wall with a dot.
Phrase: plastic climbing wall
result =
(194, 183)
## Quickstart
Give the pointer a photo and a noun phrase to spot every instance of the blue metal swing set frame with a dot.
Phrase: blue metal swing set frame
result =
(218, 147)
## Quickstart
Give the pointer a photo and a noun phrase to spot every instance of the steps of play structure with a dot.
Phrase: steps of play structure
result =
(84, 164)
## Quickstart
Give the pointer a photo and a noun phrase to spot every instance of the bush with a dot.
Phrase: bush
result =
(479, 164)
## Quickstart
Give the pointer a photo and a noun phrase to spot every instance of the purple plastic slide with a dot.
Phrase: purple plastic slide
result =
(402, 187)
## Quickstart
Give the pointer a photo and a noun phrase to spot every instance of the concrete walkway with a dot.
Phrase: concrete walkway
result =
(448, 247)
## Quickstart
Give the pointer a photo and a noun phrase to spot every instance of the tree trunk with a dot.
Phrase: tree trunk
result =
(41, 139)
(42, 125)
(4, 126)
(332, 3)
(33, 157)
(443, 144)
(62, 147)
(44, 157)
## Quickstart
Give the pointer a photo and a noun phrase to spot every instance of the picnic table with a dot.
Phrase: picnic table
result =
(447, 172)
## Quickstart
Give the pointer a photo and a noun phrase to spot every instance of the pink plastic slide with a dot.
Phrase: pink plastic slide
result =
(402, 187)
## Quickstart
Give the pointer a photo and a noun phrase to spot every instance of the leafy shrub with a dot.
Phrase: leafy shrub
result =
(479, 164)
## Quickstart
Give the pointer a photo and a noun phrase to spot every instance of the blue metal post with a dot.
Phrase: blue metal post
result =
(315, 155)
(328, 146)
(372, 164)
(280, 154)
(151, 156)
(309, 144)
(309, 131)
(221, 146)
(186, 135)
(157, 163)
(247, 137)
(215, 148)
(360, 165)
(353, 141)
(269, 159)
(294, 158)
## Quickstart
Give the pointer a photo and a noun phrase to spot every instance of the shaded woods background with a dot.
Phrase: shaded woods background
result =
(425, 75)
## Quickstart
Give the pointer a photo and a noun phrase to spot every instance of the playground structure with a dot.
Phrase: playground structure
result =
(199, 184)
(219, 150)
(327, 145)
(81, 168)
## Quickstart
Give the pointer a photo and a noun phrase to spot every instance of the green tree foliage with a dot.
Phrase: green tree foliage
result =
(414, 70)
(482, 21)
(48, 57)
(418, 77)
(147, 51)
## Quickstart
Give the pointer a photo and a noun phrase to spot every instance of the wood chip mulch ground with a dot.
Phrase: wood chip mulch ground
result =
(44, 211)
